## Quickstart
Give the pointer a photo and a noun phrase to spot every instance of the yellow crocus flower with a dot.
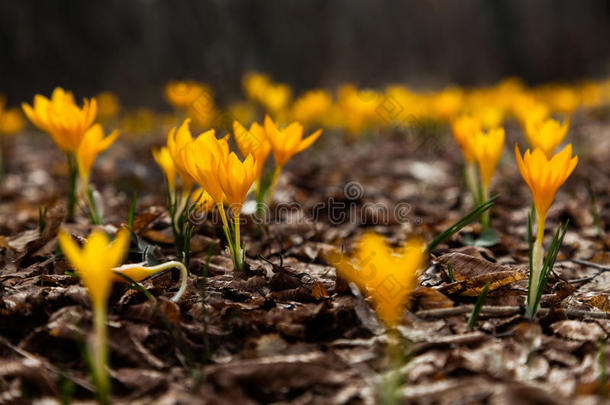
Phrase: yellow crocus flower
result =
(463, 128)
(94, 264)
(93, 144)
(236, 178)
(312, 106)
(183, 94)
(543, 177)
(166, 163)
(253, 142)
(138, 272)
(288, 141)
(177, 140)
(387, 276)
(486, 149)
(203, 158)
(95, 260)
(546, 134)
(108, 105)
(61, 118)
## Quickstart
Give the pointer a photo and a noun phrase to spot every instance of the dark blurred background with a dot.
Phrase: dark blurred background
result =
(134, 47)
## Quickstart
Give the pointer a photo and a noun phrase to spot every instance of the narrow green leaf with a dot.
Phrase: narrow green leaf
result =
(472, 320)
(450, 272)
(456, 227)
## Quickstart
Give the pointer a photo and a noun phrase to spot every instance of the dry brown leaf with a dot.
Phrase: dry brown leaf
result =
(579, 330)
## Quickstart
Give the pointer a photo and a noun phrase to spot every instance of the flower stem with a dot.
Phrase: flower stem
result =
(485, 215)
(99, 354)
(537, 261)
(238, 254)
(276, 176)
(73, 177)
(470, 175)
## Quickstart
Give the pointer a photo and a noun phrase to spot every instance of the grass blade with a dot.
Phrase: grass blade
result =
(472, 320)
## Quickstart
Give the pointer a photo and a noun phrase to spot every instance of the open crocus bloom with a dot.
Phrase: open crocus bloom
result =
(61, 118)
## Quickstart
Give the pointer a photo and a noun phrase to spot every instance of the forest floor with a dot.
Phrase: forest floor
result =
(290, 332)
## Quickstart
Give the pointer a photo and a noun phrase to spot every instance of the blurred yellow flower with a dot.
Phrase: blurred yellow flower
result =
(95, 261)
(108, 105)
(11, 121)
(93, 144)
(486, 148)
(183, 94)
(61, 118)
(254, 142)
(448, 102)
(166, 163)
(387, 276)
(288, 141)
(463, 128)
(177, 139)
(546, 134)
(255, 85)
(311, 107)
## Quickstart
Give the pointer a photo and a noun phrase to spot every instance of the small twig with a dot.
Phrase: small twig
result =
(590, 264)
(505, 311)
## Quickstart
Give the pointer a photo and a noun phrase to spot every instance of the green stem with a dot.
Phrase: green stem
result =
(276, 176)
(73, 177)
(94, 215)
(99, 354)
(485, 218)
(470, 175)
(238, 255)
(537, 263)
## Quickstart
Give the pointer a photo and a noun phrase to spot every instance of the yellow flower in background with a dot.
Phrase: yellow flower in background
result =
(243, 112)
(236, 178)
(486, 149)
(463, 128)
(61, 118)
(546, 135)
(95, 260)
(252, 141)
(11, 121)
(526, 108)
(387, 276)
(183, 94)
(311, 107)
(166, 163)
(288, 141)
(276, 97)
(545, 176)
(255, 84)
(490, 117)
(93, 144)
(177, 139)
(108, 105)
(447, 103)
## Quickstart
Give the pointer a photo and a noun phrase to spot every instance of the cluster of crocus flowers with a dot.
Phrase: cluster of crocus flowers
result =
(544, 177)
(274, 97)
(182, 194)
(226, 179)
(71, 128)
(387, 276)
